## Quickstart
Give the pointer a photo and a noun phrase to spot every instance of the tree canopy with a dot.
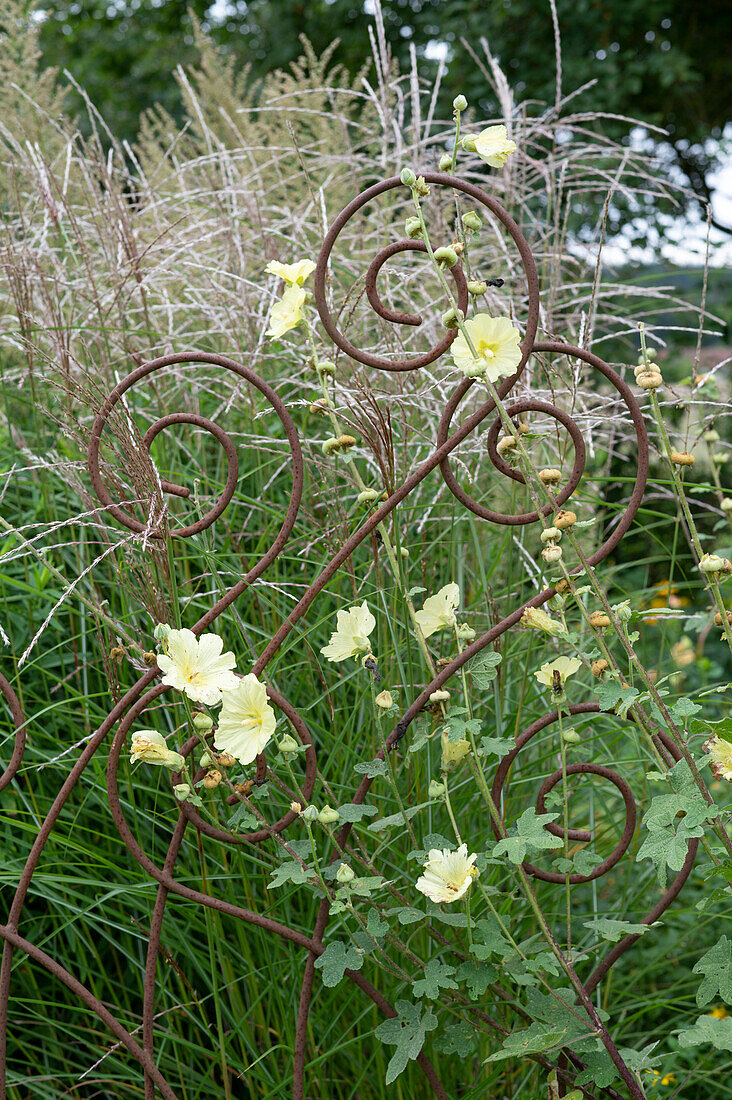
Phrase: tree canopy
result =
(660, 61)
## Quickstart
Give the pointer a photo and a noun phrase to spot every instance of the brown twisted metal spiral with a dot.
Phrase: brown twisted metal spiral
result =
(144, 692)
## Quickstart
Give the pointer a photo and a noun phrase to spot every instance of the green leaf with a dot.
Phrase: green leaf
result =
(459, 728)
(290, 871)
(352, 811)
(614, 930)
(372, 768)
(407, 915)
(457, 1039)
(716, 966)
(529, 1040)
(242, 820)
(707, 1029)
(336, 959)
(477, 977)
(436, 976)
(484, 668)
(396, 819)
(407, 1032)
(375, 926)
(495, 746)
(490, 940)
(529, 836)
(611, 695)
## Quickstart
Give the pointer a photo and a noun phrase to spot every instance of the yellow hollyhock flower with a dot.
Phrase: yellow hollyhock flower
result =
(447, 875)
(438, 611)
(720, 752)
(246, 722)
(719, 1012)
(294, 274)
(150, 747)
(352, 634)
(286, 313)
(197, 666)
(564, 666)
(496, 342)
(494, 146)
(536, 619)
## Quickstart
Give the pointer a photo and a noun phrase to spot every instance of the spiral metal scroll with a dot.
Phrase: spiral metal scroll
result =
(146, 690)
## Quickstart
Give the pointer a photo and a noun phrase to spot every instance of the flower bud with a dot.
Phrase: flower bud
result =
(476, 287)
(212, 779)
(522, 428)
(471, 220)
(435, 789)
(718, 618)
(721, 458)
(310, 814)
(599, 668)
(421, 187)
(445, 164)
(451, 317)
(650, 380)
(571, 737)
(404, 552)
(408, 177)
(682, 458)
(465, 633)
(202, 722)
(296, 807)
(711, 563)
(726, 505)
(446, 256)
(206, 759)
(325, 368)
(599, 620)
(550, 476)
(551, 553)
(150, 659)
(550, 534)
(328, 816)
(439, 696)
(413, 227)
(225, 760)
(384, 700)
(367, 496)
(564, 519)
(711, 436)
(344, 874)
(623, 611)
(468, 144)
(161, 631)
(503, 446)
(459, 103)
(182, 791)
(288, 745)
(321, 406)
(329, 446)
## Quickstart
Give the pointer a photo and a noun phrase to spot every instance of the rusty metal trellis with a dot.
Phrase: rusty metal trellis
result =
(145, 691)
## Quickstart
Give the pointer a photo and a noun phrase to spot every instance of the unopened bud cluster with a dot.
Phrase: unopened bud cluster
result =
(551, 553)
(647, 373)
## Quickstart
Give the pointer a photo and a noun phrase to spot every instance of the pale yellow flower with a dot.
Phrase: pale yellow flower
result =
(537, 619)
(720, 752)
(197, 666)
(447, 875)
(438, 611)
(294, 274)
(496, 342)
(150, 746)
(453, 752)
(286, 313)
(683, 653)
(565, 666)
(494, 146)
(246, 722)
(352, 634)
